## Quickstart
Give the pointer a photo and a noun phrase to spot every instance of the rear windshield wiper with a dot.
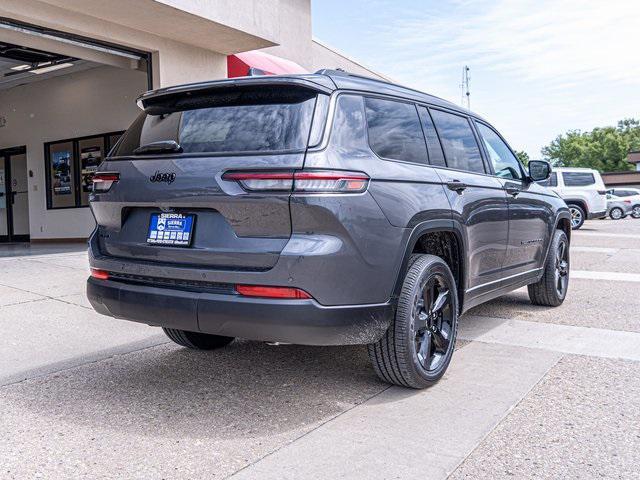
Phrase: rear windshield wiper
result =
(165, 146)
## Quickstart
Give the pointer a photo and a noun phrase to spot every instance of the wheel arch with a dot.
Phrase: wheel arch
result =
(562, 222)
(422, 240)
(580, 202)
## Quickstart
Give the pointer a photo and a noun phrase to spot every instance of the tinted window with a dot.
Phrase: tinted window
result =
(552, 181)
(436, 157)
(578, 179)
(348, 129)
(394, 130)
(459, 143)
(227, 124)
(505, 164)
(625, 193)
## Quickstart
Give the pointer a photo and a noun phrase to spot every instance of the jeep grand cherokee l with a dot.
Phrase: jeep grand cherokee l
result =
(321, 209)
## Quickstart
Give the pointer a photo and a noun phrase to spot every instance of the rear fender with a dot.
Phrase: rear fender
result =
(432, 226)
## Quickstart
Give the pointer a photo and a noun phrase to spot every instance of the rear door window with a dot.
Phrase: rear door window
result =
(394, 130)
(251, 122)
(578, 179)
(458, 141)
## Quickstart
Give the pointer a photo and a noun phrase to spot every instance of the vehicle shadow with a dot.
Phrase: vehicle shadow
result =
(247, 389)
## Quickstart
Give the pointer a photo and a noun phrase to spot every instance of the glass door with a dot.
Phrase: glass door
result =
(4, 214)
(14, 202)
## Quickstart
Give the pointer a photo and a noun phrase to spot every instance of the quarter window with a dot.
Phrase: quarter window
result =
(505, 164)
(578, 179)
(394, 130)
(459, 144)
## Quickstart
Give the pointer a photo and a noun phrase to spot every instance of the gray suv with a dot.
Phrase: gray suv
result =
(321, 209)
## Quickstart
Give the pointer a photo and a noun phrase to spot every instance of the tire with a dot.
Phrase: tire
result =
(577, 216)
(196, 340)
(417, 347)
(616, 213)
(552, 288)
(635, 211)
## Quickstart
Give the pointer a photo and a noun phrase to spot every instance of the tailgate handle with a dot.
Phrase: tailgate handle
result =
(164, 146)
(457, 186)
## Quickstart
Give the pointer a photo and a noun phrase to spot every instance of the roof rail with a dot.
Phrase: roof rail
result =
(340, 72)
(343, 73)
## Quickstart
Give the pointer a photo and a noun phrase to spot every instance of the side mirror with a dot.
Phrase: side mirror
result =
(539, 170)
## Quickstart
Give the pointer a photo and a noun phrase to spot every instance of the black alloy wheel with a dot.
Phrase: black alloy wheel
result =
(433, 322)
(551, 289)
(562, 268)
(417, 347)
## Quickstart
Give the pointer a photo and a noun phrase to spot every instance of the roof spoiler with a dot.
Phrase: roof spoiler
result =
(318, 84)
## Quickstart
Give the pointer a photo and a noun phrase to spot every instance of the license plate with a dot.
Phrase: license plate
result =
(171, 229)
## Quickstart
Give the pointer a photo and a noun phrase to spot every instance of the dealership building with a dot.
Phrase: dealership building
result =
(70, 71)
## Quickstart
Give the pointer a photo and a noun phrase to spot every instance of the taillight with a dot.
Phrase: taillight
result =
(271, 292)
(330, 181)
(99, 274)
(262, 181)
(103, 181)
(308, 181)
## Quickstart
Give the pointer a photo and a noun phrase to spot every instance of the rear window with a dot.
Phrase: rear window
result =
(458, 141)
(395, 131)
(244, 122)
(578, 179)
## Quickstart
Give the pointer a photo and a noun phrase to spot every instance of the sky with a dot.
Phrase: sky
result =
(537, 68)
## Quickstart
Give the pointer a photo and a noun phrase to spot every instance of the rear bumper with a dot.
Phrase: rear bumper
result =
(598, 214)
(303, 322)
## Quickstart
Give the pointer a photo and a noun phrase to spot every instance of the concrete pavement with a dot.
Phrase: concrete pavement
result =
(531, 392)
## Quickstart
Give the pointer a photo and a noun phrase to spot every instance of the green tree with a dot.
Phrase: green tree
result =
(604, 149)
(523, 157)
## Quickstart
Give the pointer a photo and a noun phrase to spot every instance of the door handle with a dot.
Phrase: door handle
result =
(457, 186)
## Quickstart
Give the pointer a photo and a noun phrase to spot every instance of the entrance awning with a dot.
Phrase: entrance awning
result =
(260, 63)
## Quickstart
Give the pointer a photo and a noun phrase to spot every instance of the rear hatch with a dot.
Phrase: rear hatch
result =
(170, 203)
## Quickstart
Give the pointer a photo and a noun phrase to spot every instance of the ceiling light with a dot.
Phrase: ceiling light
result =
(21, 67)
(52, 68)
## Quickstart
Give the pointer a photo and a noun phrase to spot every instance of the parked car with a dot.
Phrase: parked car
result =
(583, 190)
(323, 209)
(631, 194)
(617, 207)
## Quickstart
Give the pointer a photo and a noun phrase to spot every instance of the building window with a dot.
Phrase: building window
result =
(70, 166)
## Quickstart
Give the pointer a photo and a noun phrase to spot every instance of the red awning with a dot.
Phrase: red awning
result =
(260, 63)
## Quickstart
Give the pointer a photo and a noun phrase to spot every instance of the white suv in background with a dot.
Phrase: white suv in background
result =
(583, 191)
(631, 194)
